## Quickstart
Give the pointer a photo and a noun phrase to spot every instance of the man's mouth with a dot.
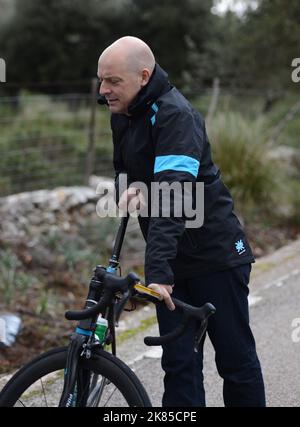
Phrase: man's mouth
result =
(112, 100)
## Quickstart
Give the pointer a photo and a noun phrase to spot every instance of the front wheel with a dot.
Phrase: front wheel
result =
(40, 382)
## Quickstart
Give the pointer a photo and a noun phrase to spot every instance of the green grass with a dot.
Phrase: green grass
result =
(44, 144)
(145, 324)
(250, 105)
(239, 149)
(290, 134)
(12, 278)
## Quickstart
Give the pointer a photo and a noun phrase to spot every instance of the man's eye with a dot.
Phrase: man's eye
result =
(114, 82)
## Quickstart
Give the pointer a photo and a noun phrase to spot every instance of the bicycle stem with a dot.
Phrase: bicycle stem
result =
(114, 260)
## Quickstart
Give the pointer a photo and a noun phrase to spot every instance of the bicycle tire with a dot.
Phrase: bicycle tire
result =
(102, 363)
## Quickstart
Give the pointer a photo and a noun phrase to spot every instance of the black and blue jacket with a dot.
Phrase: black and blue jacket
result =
(164, 139)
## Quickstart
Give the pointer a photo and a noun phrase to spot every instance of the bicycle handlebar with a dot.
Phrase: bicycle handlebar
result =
(190, 312)
(113, 284)
(91, 311)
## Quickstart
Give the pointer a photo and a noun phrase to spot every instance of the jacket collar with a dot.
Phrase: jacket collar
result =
(157, 85)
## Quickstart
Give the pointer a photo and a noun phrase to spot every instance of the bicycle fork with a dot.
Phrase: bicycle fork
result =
(72, 379)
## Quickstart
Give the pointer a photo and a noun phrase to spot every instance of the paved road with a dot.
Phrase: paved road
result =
(275, 318)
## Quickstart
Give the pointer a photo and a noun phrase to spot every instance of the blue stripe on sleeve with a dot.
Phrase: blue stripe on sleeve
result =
(177, 162)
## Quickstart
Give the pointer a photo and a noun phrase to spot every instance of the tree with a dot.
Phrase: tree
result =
(267, 43)
(59, 40)
(178, 33)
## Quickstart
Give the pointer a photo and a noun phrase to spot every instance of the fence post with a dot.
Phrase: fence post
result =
(214, 101)
(90, 158)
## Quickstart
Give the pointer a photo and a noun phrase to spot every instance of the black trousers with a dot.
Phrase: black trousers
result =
(229, 331)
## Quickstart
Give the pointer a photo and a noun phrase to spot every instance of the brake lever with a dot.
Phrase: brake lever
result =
(199, 335)
(119, 306)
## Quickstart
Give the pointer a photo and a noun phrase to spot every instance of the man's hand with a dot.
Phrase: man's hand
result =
(131, 200)
(164, 291)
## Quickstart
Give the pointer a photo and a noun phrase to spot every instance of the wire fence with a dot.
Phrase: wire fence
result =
(49, 140)
(52, 140)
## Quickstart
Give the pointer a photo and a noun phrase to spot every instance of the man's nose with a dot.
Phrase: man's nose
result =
(104, 89)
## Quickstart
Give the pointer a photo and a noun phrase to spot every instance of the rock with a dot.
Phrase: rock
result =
(94, 181)
(41, 256)
(27, 215)
(10, 326)
(287, 156)
(88, 209)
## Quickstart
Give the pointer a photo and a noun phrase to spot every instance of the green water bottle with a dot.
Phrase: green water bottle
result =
(101, 328)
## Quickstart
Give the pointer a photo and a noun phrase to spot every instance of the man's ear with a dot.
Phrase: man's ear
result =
(145, 77)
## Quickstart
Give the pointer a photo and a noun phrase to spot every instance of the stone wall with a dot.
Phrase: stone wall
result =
(25, 216)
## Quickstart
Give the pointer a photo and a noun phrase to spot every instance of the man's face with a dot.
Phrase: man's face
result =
(118, 84)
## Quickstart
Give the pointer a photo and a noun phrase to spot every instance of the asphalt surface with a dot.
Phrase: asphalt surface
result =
(275, 320)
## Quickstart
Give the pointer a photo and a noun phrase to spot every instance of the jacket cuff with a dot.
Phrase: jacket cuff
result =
(162, 277)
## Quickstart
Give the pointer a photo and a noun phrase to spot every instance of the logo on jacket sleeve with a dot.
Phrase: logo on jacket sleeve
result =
(240, 247)
(155, 109)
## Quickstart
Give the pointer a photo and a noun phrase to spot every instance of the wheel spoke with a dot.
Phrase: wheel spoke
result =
(110, 396)
(44, 394)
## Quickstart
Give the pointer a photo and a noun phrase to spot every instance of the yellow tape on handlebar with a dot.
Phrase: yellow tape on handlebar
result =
(144, 290)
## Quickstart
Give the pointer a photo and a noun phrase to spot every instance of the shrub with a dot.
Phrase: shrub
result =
(239, 149)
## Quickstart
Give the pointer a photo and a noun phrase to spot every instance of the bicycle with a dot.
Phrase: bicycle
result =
(84, 373)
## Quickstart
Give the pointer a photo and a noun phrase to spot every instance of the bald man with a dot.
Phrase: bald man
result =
(124, 68)
(158, 137)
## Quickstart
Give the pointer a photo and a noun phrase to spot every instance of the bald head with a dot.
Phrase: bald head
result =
(124, 68)
(130, 52)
